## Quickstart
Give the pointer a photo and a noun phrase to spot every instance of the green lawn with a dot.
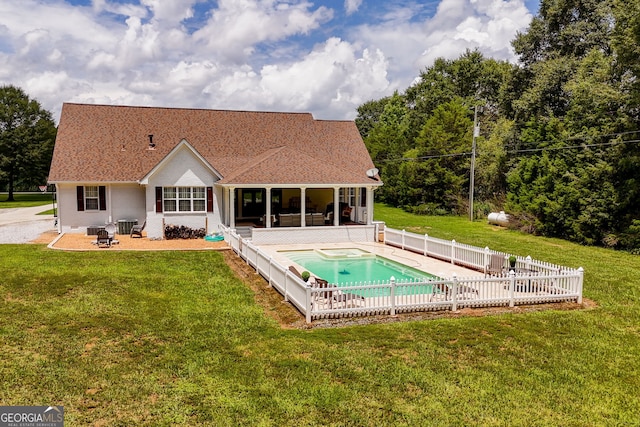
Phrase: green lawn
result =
(25, 200)
(174, 338)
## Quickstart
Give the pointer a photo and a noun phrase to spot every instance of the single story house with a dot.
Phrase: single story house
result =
(284, 177)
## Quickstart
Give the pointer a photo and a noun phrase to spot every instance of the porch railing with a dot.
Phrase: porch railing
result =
(541, 282)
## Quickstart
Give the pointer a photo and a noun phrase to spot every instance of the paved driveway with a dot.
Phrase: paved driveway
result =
(22, 225)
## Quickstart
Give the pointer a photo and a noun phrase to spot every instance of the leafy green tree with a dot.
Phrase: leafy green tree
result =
(491, 161)
(564, 32)
(369, 115)
(597, 99)
(566, 29)
(387, 141)
(471, 77)
(438, 171)
(27, 136)
(559, 131)
(626, 44)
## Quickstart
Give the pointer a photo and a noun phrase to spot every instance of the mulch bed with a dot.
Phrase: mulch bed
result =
(81, 242)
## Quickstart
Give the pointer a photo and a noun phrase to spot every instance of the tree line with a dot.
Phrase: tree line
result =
(27, 137)
(559, 144)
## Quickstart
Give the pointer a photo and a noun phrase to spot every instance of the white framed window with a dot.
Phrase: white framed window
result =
(91, 198)
(184, 199)
(352, 197)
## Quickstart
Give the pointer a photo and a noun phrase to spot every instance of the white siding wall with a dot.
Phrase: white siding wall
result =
(127, 202)
(135, 201)
(123, 201)
(183, 169)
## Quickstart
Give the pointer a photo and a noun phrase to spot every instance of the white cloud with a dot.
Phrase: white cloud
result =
(237, 26)
(352, 6)
(331, 81)
(488, 25)
(457, 25)
(242, 54)
(171, 12)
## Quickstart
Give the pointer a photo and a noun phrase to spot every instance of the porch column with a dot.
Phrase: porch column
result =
(356, 207)
(232, 207)
(303, 206)
(267, 216)
(369, 205)
(336, 206)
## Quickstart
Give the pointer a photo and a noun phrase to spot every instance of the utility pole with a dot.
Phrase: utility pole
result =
(476, 133)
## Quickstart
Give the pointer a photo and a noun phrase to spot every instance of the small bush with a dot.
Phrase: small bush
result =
(183, 232)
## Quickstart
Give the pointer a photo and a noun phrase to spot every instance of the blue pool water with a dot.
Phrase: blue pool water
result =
(353, 266)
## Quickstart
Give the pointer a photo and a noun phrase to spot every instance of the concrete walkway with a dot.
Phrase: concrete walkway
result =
(411, 259)
(22, 225)
(17, 215)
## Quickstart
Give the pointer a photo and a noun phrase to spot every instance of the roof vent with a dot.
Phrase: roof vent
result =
(152, 145)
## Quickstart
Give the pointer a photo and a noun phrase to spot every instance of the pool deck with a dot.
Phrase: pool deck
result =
(428, 265)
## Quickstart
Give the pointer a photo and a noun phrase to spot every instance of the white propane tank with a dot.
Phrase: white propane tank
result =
(498, 218)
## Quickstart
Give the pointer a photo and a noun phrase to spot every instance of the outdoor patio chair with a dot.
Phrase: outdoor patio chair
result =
(295, 272)
(335, 295)
(444, 290)
(111, 230)
(103, 240)
(345, 215)
(496, 265)
(136, 230)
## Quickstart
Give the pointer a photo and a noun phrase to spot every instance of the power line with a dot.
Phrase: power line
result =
(572, 147)
(573, 138)
(526, 150)
(433, 156)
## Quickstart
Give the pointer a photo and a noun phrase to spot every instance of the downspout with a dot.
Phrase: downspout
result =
(57, 210)
(110, 204)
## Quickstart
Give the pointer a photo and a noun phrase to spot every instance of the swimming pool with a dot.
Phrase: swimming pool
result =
(353, 266)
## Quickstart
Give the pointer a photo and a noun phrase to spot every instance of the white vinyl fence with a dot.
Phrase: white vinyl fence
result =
(532, 282)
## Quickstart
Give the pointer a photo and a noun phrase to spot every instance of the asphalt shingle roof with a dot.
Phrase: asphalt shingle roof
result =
(101, 143)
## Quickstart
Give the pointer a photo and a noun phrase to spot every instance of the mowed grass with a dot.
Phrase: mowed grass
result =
(174, 338)
(25, 200)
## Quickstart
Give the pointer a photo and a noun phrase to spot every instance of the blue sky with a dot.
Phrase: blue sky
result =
(326, 57)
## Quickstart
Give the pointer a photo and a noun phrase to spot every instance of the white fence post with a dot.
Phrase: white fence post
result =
(426, 244)
(393, 295)
(527, 262)
(454, 292)
(403, 234)
(580, 281)
(308, 305)
(487, 257)
(512, 288)
(286, 281)
(270, 266)
(453, 252)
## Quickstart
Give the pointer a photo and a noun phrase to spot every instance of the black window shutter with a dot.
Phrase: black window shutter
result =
(80, 197)
(209, 199)
(158, 199)
(102, 198)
